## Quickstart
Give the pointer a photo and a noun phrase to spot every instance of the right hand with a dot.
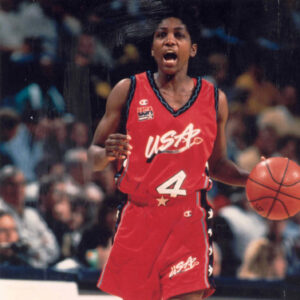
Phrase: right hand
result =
(117, 146)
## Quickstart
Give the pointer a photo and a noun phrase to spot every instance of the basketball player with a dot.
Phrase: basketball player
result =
(174, 129)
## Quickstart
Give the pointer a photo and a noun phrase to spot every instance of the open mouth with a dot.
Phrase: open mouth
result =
(170, 56)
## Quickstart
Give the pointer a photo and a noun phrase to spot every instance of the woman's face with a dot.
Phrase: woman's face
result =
(172, 46)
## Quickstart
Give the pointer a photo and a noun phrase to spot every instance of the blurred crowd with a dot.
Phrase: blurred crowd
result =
(57, 68)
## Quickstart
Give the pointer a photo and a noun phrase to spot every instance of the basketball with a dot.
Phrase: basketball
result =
(273, 188)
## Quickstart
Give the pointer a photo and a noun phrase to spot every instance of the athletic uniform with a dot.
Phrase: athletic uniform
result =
(162, 247)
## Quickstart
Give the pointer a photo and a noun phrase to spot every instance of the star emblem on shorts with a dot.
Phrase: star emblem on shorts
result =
(162, 201)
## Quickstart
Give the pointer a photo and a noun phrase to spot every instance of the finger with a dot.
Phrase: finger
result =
(117, 152)
(116, 144)
(262, 158)
(118, 136)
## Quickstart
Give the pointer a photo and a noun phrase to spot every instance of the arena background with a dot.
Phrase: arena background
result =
(264, 31)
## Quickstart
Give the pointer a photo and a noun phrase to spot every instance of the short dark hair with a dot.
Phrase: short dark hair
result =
(188, 13)
(47, 182)
(8, 172)
(5, 213)
(9, 118)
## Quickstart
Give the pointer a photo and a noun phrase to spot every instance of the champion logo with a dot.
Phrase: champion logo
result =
(184, 266)
(187, 213)
(143, 102)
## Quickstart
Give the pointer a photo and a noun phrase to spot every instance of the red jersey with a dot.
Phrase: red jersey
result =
(170, 147)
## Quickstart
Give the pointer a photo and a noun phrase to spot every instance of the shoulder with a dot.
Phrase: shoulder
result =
(222, 98)
(124, 90)
(32, 215)
(2, 204)
(122, 86)
(119, 95)
(127, 83)
(222, 105)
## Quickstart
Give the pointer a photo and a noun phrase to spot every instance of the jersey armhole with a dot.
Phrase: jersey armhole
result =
(125, 111)
(130, 94)
(216, 100)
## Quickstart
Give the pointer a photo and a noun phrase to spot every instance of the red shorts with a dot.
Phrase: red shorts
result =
(161, 251)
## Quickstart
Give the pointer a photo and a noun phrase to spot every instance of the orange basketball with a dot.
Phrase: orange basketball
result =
(273, 188)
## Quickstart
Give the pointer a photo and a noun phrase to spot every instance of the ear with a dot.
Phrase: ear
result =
(152, 52)
(193, 51)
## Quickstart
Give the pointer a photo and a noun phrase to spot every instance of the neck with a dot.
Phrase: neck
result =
(174, 80)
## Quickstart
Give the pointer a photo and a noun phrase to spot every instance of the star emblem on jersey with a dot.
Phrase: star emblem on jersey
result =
(162, 201)
(210, 270)
(145, 113)
(210, 213)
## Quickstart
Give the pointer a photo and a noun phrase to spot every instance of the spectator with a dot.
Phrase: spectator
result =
(26, 148)
(12, 251)
(285, 115)
(41, 241)
(77, 166)
(56, 143)
(293, 255)
(66, 212)
(81, 218)
(97, 239)
(264, 145)
(288, 146)
(218, 74)
(11, 33)
(79, 135)
(38, 22)
(79, 172)
(245, 224)
(217, 266)
(9, 123)
(225, 239)
(236, 132)
(55, 206)
(263, 260)
(261, 93)
(291, 237)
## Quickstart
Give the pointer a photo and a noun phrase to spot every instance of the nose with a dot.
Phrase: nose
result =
(170, 40)
(13, 236)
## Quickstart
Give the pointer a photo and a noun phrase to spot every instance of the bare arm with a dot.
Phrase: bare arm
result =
(107, 144)
(220, 167)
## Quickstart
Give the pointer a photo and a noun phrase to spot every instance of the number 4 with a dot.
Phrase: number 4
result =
(172, 185)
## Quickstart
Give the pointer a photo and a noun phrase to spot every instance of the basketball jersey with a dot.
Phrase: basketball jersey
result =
(170, 147)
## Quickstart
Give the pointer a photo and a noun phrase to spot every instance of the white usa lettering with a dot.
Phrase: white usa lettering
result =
(177, 142)
(184, 266)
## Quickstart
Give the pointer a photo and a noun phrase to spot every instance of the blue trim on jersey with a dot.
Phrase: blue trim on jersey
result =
(101, 277)
(122, 172)
(130, 95)
(198, 198)
(165, 103)
(216, 100)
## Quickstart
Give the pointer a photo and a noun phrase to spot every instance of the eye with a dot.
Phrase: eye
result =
(179, 35)
(160, 34)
